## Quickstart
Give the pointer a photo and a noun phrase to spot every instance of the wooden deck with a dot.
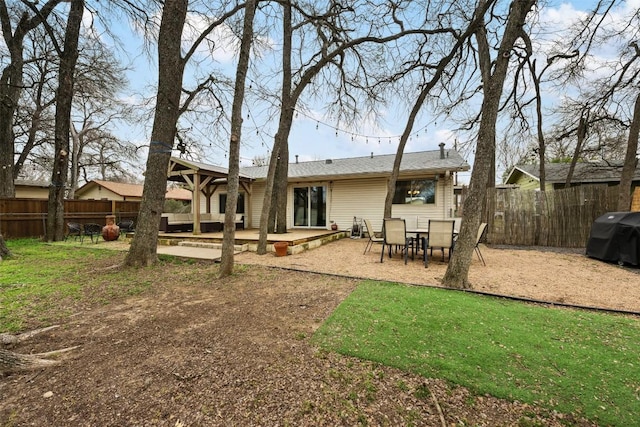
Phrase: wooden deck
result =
(298, 239)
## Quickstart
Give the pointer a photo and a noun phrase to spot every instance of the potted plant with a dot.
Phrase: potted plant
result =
(281, 248)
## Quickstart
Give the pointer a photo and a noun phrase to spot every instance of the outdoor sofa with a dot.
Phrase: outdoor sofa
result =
(209, 223)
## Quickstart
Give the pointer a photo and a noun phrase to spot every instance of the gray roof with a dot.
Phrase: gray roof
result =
(584, 172)
(424, 162)
(31, 183)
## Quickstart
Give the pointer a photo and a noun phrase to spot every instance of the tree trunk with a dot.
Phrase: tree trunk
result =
(457, 272)
(143, 249)
(64, 100)
(14, 362)
(282, 135)
(233, 178)
(582, 135)
(4, 250)
(630, 160)
(282, 183)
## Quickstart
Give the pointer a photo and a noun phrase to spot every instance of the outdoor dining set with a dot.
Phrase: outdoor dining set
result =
(439, 234)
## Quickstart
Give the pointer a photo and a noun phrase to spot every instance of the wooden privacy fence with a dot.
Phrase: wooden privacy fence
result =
(559, 218)
(28, 217)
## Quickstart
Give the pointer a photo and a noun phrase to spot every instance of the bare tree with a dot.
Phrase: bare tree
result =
(439, 69)
(171, 65)
(11, 80)
(64, 99)
(170, 72)
(334, 40)
(233, 177)
(494, 72)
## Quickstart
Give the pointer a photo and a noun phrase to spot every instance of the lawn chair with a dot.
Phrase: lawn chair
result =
(482, 235)
(93, 231)
(374, 236)
(126, 226)
(73, 229)
(441, 234)
(394, 233)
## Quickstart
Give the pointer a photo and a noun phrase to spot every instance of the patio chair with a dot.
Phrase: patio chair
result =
(126, 226)
(394, 233)
(482, 235)
(73, 229)
(374, 236)
(93, 231)
(441, 234)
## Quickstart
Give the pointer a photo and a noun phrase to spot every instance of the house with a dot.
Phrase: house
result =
(27, 189)
(109, 190)
(527, 177)
(336, 191)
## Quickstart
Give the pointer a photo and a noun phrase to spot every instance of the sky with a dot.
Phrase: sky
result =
(313, 136)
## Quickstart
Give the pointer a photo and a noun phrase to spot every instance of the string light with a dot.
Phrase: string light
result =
(355, 135)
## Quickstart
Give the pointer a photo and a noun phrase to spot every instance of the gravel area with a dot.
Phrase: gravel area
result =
(557, 275)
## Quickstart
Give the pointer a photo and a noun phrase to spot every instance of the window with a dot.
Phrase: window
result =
(415, 192)
(239, 207)
(310, 206)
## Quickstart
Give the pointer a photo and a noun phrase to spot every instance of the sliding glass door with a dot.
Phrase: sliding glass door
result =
(310, 206)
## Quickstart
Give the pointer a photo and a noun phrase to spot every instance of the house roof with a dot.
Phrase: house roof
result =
(132, 190)
(31, 183)
(181, 167)
(584, 172)
(381, 165)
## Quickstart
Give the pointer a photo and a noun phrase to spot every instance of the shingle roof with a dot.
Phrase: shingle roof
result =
(134, 190)
(120, 188)
(584, 172)
(381, 165)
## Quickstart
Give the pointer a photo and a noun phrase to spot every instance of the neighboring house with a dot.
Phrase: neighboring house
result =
(26, 189)
(527, 177)
(108, 190)
(337, 190)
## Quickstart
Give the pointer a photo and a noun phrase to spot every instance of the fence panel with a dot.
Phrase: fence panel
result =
(28, 217)
(560, 218)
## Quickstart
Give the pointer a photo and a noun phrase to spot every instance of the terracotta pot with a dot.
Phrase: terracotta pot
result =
(281, 248)
(110, 231)
(334, 226)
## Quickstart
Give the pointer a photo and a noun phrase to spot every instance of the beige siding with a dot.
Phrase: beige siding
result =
(100, 193)
(362, 198)
(29, 192)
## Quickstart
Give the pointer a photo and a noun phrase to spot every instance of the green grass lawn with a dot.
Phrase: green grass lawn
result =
(571, 361)
(40, 281)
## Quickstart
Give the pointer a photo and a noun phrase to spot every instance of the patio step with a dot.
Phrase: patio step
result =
(238, 248)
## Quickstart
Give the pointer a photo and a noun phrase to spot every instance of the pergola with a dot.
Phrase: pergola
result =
(203, 179)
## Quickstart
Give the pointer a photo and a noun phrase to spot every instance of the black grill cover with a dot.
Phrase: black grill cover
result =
(615, 236)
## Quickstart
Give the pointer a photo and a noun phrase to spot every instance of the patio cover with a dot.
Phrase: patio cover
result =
(203, 179)
(615, 236)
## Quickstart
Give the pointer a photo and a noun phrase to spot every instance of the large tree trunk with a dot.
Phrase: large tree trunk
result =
(143, 249)
(64, 99)
(4, 250)
(458, 268)
(233, 178)
(630, 160)
(14, 362)
(282, 184)
(282, 135)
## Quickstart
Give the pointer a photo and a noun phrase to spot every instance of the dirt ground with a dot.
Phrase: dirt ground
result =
(199, 351)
